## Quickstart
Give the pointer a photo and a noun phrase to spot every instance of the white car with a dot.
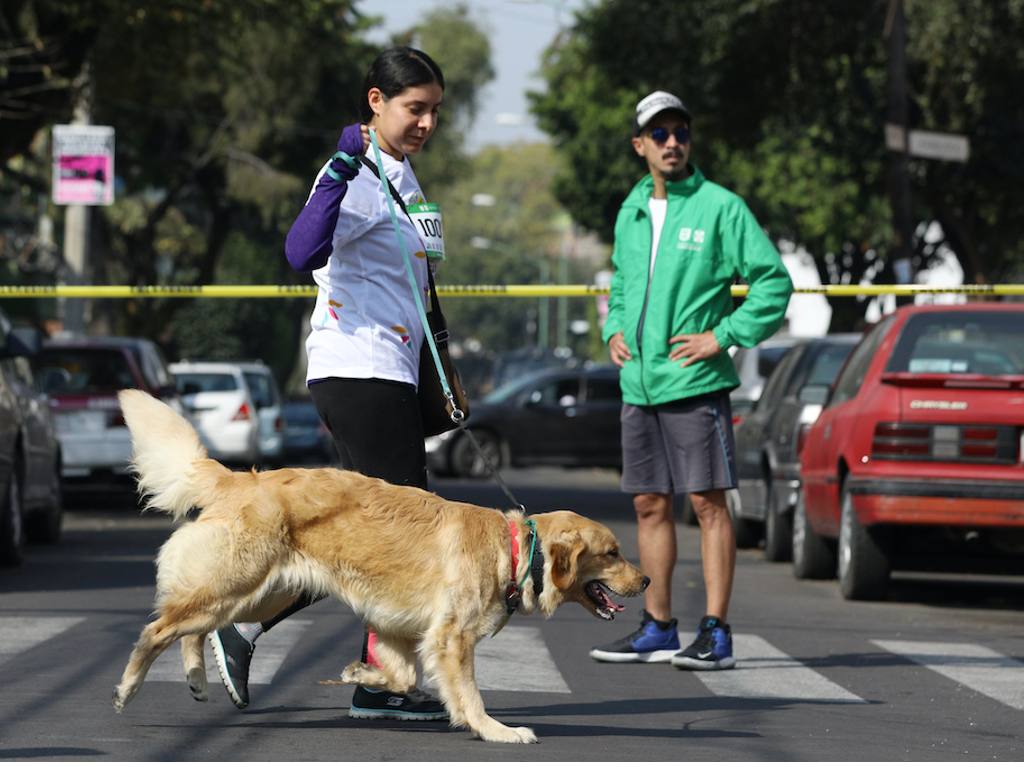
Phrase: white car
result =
(267, 399)
(217, 398)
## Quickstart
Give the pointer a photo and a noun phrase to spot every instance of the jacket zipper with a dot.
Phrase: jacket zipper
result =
(643, 311)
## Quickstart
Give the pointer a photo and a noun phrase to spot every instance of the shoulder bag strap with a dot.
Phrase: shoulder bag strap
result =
(456, 414)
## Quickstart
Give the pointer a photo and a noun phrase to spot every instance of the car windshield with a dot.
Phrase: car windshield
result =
(195, 383)
(768, 357)
(505, 391)
(826, 365)
(83, 371)
(978, 343)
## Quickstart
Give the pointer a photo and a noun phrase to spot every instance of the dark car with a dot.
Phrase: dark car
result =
(82, 377)
(768, 441)
(916, 461)
(753, 366)
(31, 508)
(305, 436)
(566, 417)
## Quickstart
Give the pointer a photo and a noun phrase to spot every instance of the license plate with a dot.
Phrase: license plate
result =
(82, 422)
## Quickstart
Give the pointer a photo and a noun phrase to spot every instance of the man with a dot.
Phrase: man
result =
(680, 241)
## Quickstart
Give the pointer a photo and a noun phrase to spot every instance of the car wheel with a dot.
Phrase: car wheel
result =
(466, 461)
(778, 531)
(12, 537)
(864, 567)
(813, 556)
(747, 531)
(45, 526)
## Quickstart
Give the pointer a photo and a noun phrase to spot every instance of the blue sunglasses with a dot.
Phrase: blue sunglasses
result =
(660, 135)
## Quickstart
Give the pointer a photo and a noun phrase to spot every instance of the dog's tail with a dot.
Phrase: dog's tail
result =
(170, 462)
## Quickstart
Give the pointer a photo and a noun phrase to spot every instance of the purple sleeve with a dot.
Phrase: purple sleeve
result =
(308, 245)
(309, 241)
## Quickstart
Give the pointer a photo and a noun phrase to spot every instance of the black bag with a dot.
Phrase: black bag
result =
(435, 409)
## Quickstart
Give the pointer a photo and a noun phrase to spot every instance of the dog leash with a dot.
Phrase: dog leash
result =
(458, 417)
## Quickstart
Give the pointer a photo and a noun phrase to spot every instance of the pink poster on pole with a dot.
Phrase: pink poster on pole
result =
(83, 165)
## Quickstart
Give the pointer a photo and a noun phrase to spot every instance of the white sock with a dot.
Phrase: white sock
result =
(250, 631)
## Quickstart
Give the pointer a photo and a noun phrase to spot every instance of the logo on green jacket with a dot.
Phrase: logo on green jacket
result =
(690, 239)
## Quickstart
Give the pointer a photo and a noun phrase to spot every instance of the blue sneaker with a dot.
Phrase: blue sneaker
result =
(648, 644)
(711, 650)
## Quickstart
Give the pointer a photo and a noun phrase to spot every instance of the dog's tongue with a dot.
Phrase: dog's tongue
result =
(605, 600)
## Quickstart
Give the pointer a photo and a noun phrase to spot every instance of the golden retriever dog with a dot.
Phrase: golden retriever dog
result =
(428, 575)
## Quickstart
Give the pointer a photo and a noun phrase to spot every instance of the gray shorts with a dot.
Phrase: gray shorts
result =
(686, 446)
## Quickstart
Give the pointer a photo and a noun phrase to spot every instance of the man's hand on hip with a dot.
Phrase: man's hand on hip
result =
(693, 347)
(618, 350)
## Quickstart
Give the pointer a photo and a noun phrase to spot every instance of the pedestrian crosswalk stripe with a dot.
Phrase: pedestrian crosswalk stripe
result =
(517, 659)
(18, 634)
(271, 650)
(979, 668)
(499, 660)
(764, 671)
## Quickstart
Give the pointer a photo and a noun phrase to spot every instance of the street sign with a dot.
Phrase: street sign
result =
(939, 146)
(934, 146)
(83, 164)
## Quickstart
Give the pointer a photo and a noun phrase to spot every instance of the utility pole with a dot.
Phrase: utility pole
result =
(563, 278)
(75, 311)
(898, 141)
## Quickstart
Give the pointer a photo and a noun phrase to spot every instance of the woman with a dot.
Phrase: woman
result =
(364, 343)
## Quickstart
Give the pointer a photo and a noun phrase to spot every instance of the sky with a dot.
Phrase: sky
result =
(519, 31)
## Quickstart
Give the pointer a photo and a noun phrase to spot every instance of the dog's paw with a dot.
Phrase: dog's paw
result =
(118, 701)
(366, 675)
(197, 684)
(503, 734)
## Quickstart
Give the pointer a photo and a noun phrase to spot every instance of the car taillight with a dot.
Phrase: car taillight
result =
(279, 424)
(901, 440)
(243, 413)
(737, 420)
(944, 442)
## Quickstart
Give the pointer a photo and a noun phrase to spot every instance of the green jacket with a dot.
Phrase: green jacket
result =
(709, 238)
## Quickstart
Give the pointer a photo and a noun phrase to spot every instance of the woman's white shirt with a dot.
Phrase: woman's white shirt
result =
(365, 323)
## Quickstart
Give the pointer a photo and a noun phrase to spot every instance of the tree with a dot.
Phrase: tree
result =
(789, 108)
(513, 238)
(224, 112)
(463, 53)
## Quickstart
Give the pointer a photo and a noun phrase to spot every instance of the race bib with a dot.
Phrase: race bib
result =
(426, 217)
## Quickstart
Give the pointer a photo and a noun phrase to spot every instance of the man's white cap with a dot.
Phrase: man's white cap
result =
(654, 104)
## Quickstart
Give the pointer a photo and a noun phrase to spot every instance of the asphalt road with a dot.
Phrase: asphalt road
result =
(934, 673)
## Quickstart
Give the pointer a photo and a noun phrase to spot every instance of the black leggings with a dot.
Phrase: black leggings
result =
(377, 429)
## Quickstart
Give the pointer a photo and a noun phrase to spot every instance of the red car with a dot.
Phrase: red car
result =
(915, 462)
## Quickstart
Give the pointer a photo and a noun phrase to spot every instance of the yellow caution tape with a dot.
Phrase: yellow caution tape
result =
(492, 291)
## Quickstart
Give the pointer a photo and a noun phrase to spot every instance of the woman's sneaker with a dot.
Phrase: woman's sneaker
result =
(654, 642)
(233, 652)
(711, 650)
(415, 705)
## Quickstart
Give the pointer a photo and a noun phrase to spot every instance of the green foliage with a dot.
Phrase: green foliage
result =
(224, 112)
(514, 241)
(463, 52)
(789, 104)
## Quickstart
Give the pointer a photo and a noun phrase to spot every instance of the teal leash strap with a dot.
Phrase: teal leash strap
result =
(455, 411)
(533, 545)
(410, 274)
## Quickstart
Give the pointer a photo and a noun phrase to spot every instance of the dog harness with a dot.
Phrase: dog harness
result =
(513, 591)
